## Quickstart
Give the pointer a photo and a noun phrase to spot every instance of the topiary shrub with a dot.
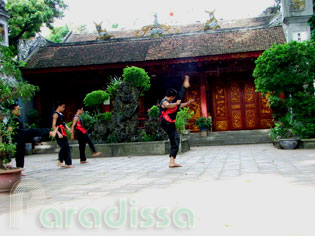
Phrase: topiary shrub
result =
(88, 121)
(95, 99)
(113, 85)
(101, 128)
(137, 77)
(152, 127)
(125, 124)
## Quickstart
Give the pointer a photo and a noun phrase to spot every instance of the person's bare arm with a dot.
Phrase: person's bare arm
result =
(54, 121)
(187, 103)
(168, 105)
(75, 120)
(69, 130)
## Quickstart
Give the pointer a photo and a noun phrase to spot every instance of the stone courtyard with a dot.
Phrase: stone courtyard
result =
(229, 190)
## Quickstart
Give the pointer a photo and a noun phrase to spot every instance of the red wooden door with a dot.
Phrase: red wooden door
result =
(236, 106)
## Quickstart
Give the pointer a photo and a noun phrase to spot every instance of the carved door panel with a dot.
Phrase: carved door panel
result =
(242, 105)
(250, 103)
(220, 113)
(193, 92)
(235, 105)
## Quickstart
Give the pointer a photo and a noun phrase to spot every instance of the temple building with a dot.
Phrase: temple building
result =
(219, 56)
(4, 16)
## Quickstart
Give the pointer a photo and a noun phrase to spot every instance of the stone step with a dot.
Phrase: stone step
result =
(231, 138)
(49, 147)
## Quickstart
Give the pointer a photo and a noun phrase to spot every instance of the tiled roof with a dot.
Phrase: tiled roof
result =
(228, 24)
(184, 45)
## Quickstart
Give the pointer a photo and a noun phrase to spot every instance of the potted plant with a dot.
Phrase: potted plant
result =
(203, 124)
(284, 132)
(182, 118)
(8, 175)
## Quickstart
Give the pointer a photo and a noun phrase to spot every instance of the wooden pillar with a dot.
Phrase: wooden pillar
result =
(203, 95)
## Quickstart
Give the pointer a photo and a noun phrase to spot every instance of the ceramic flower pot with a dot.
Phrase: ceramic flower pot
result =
(289, 143)
(204, 132)
(8, 178)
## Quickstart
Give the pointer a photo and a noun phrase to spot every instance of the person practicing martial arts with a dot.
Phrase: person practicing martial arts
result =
(21, 135)
(62, 140)
(169, 107)
(82, 135)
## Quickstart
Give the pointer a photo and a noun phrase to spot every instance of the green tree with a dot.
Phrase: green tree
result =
(12, 87)
(57, 34)
(285, 73)
(28, 16)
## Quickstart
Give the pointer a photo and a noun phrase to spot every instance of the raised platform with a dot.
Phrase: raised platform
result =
(162, 147)
(231, 138)
(117, 149)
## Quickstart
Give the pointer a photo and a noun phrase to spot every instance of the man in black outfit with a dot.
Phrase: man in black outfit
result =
(62, 139)
(22, 135)
(168, 111)
(82, 135)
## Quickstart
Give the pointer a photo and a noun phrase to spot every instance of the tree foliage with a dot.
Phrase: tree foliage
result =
(285, 73)
(285, 68)
(28, 16)
(12, 87)
(113, 85)
(95, 98)
(152, 127)
(137, 77)
(57, 34)
(182, 118)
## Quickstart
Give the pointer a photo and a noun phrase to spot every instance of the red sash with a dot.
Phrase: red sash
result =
(63, 130)
(165, 114)
(80, 127)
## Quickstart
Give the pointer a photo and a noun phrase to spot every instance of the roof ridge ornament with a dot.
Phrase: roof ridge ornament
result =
(156, 30)
(212, 23)
(102, 33)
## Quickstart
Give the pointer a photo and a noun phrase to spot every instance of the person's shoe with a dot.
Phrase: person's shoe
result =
(83, 162)
(59, 163)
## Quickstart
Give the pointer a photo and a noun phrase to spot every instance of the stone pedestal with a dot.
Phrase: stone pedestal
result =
(295, 16)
